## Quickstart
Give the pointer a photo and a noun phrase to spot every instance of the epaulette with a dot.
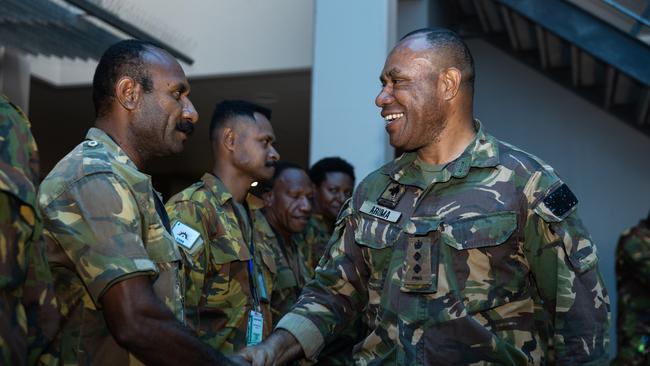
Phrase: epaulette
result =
(95, 158)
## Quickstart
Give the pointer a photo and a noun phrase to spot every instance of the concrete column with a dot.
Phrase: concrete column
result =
(351, 41)
(14, 77)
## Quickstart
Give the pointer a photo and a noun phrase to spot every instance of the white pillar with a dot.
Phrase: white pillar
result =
(351, 41)
(14, 77)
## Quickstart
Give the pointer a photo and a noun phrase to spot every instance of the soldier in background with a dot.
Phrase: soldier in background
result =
(633, 284)
(333, 180)
(28, 308)
(114, 261)
(229, 271)
(464, 250)
(287, 207)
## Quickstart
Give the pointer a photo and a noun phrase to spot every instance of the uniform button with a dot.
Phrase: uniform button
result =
(92, 143)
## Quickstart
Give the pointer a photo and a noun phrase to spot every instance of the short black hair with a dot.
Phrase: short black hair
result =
(124, 58)
(280, 167)
(228, 109)
(318, 172)
(456, 49)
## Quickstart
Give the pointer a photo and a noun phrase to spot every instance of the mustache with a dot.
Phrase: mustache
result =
(270, 163)
(185, 127)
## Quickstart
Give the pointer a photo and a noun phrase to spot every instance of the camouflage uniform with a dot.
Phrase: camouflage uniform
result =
(218, 295)
(488, 263)
(633, 281)
(100, 216)
(28, 306)
(291, 275)
(316, 236)
(339, 351)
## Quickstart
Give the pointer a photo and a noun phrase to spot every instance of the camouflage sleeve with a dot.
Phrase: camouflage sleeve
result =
(14, 235)
(96, 222)
(41, 307)
(194, 216)
(563, 261)
(336, 294)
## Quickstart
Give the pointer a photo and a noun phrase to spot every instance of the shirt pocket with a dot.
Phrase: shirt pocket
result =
(487, 269)
(227, 284)
(376, 238)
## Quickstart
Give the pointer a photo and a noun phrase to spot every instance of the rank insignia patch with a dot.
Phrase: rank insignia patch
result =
(391, 195)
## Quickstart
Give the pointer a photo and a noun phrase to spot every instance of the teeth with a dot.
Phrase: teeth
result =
(392, 117)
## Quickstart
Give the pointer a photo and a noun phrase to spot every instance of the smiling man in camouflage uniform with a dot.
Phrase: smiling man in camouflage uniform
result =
(229, 271)
(112, 255)
(464, 250)
(28, 306)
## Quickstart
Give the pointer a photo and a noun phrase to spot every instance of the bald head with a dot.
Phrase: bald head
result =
(445, 49)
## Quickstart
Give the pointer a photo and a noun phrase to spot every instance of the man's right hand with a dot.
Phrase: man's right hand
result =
(279, 349)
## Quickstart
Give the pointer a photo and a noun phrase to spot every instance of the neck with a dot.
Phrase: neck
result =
(329, 221)
(236, 183)
(451, 142)
(123, 139)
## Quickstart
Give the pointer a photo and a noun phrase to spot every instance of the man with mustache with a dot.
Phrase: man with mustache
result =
(114, 262)
(287, 208)
(463, 251)
(229, 271)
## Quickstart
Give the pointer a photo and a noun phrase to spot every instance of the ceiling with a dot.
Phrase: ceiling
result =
(61, 116)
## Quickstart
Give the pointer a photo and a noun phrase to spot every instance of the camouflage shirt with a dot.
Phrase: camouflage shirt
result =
(633, 282)
(292, 274)
(488, 263)
(316, 236)
(214, 231)
(100, 216)
(27, 302)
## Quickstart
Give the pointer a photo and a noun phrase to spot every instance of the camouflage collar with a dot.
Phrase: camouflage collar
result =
(482, 152)
(96, 134)
(216, 186)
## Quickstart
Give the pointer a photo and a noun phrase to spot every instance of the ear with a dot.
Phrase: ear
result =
(228, 137)
(449, 80)
(128, 92)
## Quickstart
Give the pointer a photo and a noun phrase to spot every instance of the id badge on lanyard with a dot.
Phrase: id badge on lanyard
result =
(255, 328)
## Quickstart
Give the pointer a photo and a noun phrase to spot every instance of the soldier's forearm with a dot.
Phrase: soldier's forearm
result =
(287, 346)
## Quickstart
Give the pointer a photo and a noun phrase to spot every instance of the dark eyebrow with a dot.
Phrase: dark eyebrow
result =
(181, 87)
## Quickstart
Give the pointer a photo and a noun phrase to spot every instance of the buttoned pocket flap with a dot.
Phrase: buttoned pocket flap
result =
(422, 225)
(375, 233)
(479, 231)
(225, 250)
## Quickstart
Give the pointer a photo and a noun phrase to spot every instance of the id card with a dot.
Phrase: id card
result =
(255, 328)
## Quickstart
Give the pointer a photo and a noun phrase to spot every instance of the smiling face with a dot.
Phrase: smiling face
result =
(165, 116)
(332, 192)
(289, 201)
(410, 99)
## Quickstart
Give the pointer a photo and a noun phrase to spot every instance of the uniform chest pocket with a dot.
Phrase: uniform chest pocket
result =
(227, 277)
(487, 268)
(377, 238)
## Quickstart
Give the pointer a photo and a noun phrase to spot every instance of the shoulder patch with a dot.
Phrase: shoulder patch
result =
(560, 201)
(185, 235)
